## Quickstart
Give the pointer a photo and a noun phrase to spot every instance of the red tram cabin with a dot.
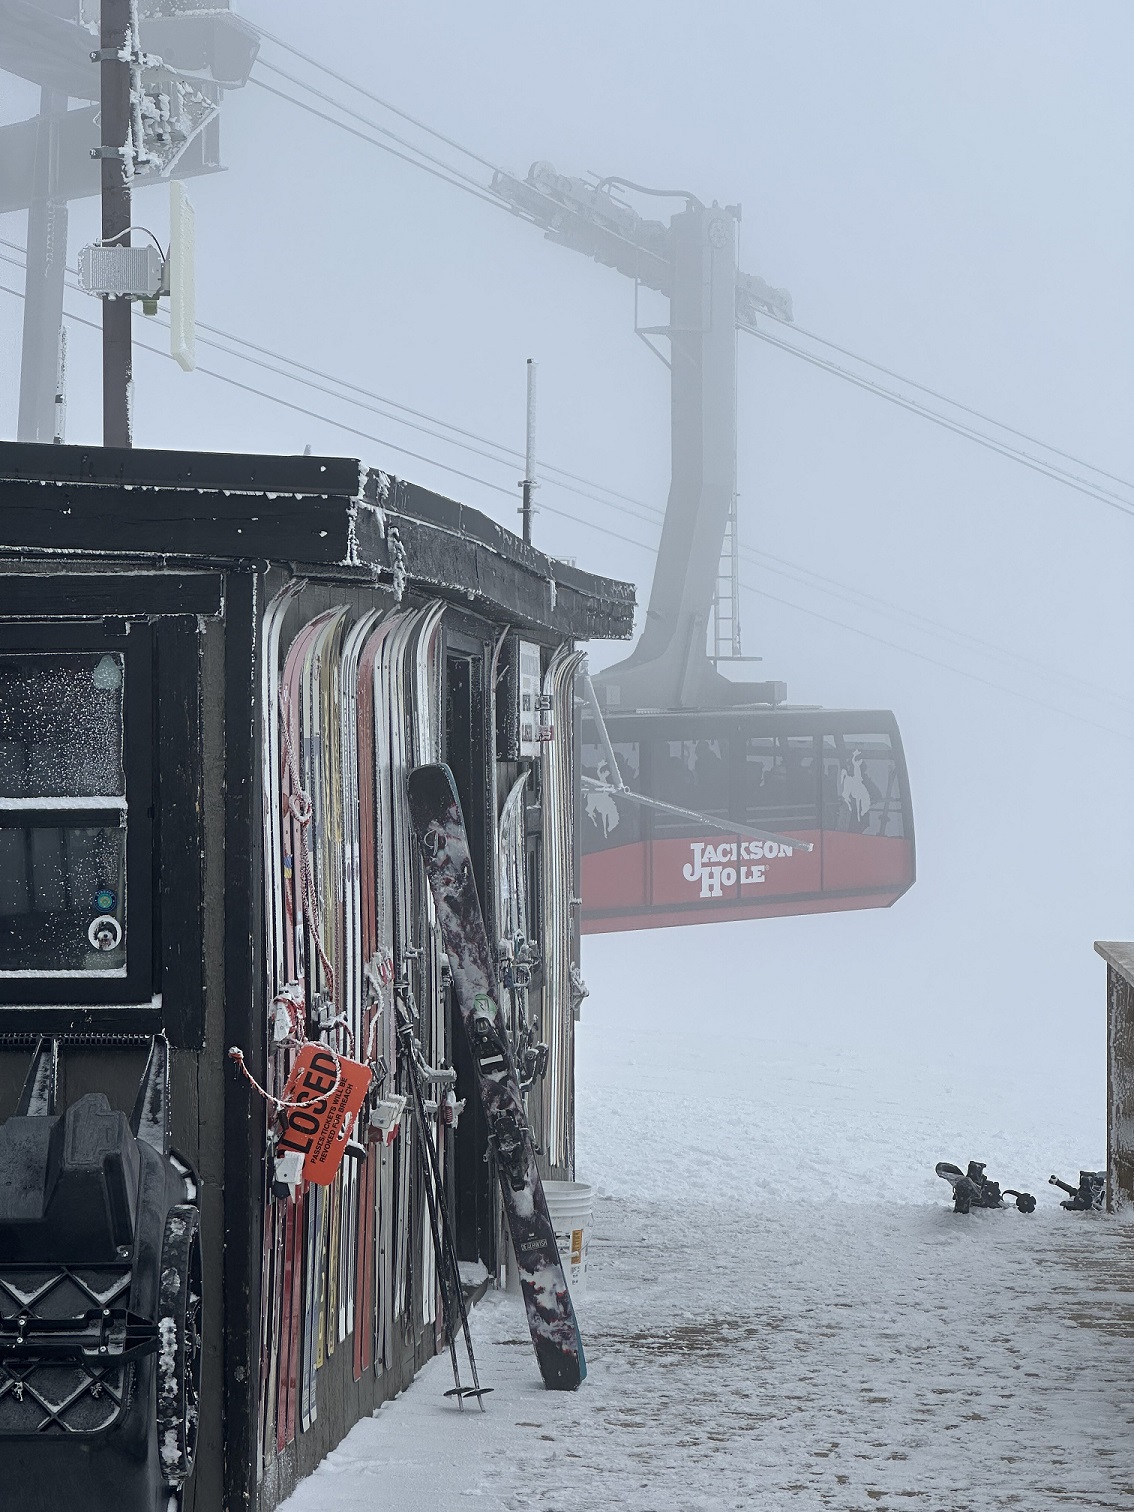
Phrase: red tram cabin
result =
(833, 778)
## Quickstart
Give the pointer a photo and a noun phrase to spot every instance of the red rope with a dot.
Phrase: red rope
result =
(237, 1055)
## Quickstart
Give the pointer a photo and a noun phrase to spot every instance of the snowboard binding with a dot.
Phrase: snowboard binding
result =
(488, 1044)
(508, 1136)
(1088, 1197)
(972, 1188)
(518, 962)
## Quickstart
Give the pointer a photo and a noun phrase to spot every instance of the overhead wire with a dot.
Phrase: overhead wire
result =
(454, 176)
(225, 341)
(1049, 470)
(955, 403)
(962, 639)
(1038, 465)
(370, 95)
(589, 488)
(446, 171)
(641, 511)
(766, 561)
(451, 177)
(355, 115)
(600, 529)
(934, 661)
(648, 514)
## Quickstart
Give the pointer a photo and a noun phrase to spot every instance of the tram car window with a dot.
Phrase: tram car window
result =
(861, 786)
(690, 774)
(608, 820)
(781, 782)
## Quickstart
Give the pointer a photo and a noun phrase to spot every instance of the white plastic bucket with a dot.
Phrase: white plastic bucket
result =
(569, 1204)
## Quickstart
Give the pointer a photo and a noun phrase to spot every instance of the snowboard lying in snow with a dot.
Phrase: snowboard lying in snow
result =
(440, 829)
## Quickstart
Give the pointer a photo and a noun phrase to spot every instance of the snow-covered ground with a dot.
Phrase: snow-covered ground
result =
(783, 1311)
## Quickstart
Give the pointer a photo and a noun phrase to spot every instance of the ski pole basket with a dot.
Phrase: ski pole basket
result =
(100, 1299)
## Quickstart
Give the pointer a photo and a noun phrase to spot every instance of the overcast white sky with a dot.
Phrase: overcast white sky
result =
(943, 189)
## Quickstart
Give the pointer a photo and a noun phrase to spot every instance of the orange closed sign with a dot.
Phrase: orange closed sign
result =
(330, 1090)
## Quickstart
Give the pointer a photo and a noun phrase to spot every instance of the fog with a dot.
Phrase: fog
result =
(944, 190)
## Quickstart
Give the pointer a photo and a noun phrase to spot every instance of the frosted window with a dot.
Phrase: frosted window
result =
(62, 815)
(61, 726)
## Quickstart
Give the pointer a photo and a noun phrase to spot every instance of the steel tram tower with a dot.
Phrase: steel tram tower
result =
(693, 262)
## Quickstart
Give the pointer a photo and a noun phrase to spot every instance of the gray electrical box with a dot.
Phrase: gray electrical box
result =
(122, 272)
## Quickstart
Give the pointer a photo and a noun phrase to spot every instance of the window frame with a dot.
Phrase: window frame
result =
(812, 811)
(129, 1000)
(835, 746)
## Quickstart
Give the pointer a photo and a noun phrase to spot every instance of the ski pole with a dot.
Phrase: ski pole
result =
(451, 1253)
(451, 1295)
(455, 1271)
(405, 1036)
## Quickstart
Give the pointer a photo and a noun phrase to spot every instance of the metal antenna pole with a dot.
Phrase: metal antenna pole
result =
(60, 406)
(117, 42)
(529, 482)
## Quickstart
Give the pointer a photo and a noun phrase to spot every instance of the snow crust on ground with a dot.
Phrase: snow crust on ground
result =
(783, 1311)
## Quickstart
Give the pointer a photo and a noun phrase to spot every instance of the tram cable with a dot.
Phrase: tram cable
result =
(370, 95)
(589, 488)
(641, 510)
(957, 404)
(958, 427)
(456, 181)
(1045, 468)
(764, 560)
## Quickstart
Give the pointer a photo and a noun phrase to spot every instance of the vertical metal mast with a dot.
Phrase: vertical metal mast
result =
(692, 262)
(529, 482)
(117, 42)
(669, 667)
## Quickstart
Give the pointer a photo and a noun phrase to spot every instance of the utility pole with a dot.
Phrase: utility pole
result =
(57, 156)
(117, 44)
(529, 482)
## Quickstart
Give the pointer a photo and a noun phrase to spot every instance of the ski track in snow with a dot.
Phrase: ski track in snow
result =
(784, 1312)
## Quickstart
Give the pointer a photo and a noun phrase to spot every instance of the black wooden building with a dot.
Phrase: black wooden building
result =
(215, 672)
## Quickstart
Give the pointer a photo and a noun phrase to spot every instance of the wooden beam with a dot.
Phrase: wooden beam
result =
(118, 595)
